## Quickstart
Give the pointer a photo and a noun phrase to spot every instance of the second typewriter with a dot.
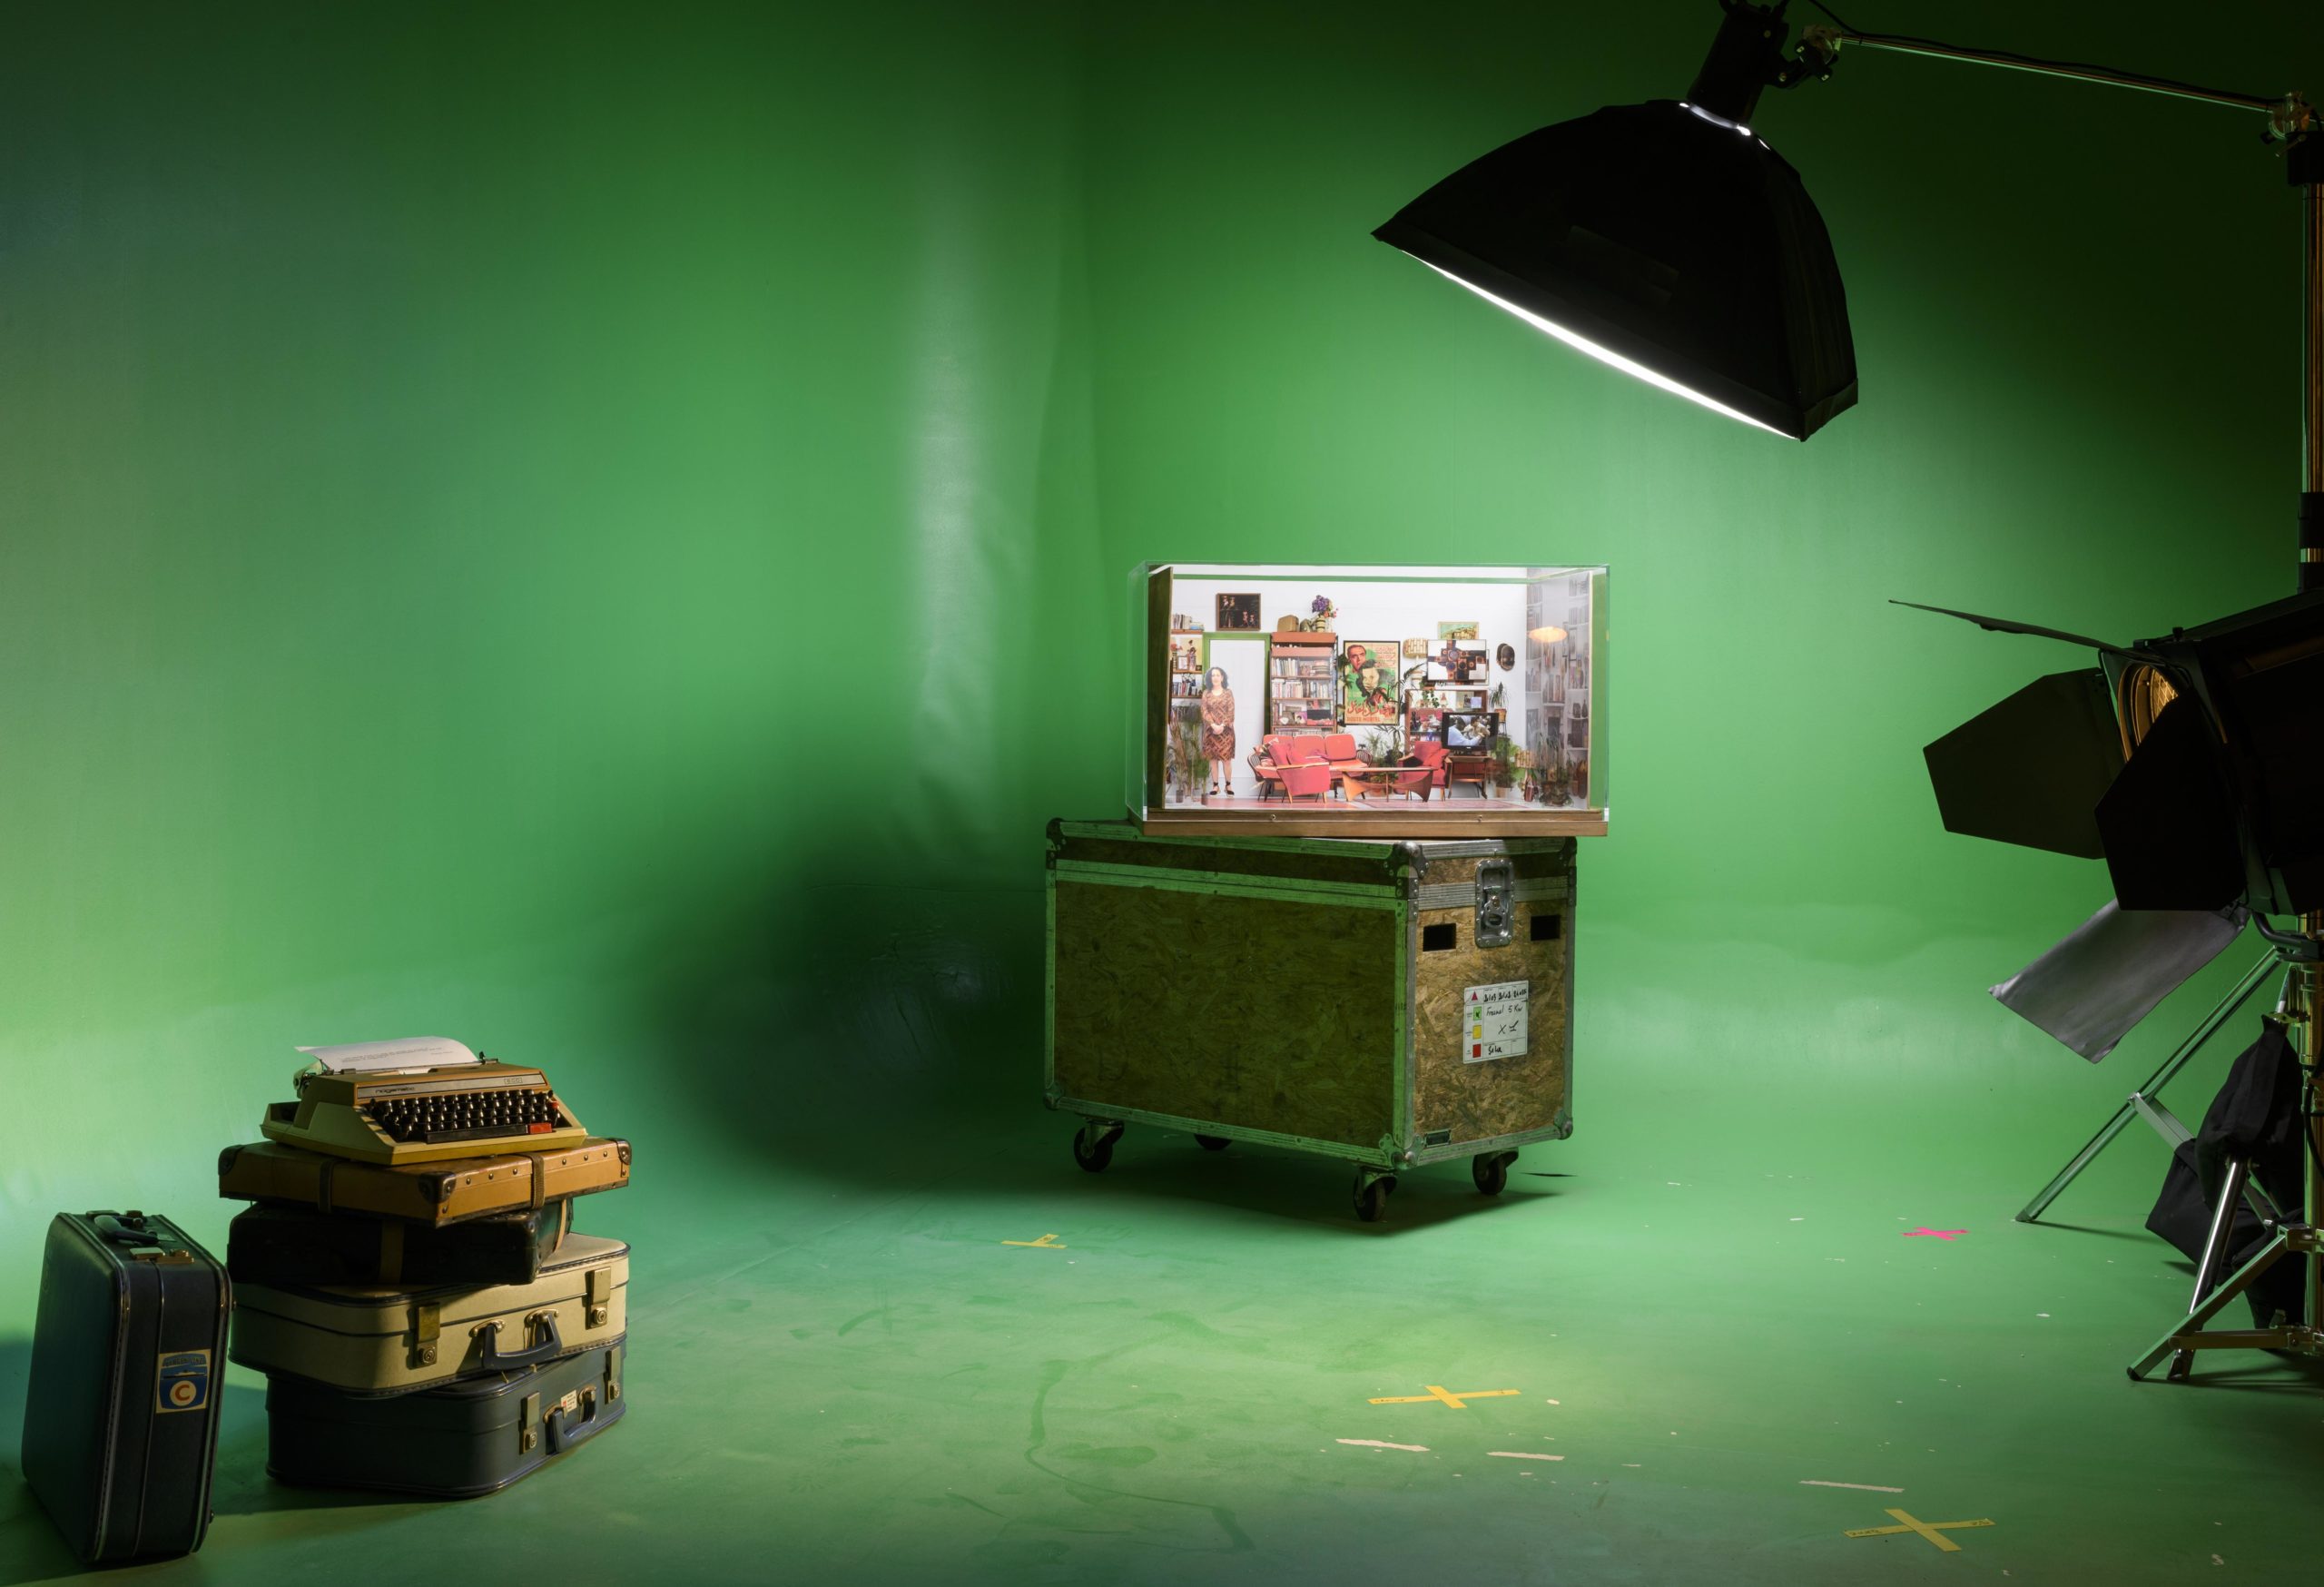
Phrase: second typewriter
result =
(449, 1103)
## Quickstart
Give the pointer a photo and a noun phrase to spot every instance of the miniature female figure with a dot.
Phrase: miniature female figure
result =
(1218, 731)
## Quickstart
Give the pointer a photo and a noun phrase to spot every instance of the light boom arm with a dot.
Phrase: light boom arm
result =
(2288, 114)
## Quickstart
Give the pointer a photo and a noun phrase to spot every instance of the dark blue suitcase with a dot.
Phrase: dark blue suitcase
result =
(121, 1416)
(472, 1436)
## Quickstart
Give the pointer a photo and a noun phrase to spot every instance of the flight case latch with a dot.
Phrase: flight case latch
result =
(1496, 904)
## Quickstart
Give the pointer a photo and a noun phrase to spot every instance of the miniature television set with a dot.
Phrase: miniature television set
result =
(1370, 701)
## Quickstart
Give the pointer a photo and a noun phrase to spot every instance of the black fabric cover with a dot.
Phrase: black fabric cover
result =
(2256, 1115)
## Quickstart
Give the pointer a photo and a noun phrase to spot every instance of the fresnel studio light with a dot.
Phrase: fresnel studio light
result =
(1671, 241)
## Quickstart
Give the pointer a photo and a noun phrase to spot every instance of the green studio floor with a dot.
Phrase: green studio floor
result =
(860, 1381)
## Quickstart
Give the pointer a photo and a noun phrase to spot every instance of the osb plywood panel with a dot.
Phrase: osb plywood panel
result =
(1312, 861)
(1248, 1011)
(1505, 1096)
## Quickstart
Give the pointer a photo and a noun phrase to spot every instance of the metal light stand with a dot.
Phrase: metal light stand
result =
(2142, 1103)
(2292, 121)
(2304, 999)
(2296, 1239)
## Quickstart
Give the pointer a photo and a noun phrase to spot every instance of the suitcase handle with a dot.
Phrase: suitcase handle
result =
(489, 1358)
(125, 1230)
(561, 1438)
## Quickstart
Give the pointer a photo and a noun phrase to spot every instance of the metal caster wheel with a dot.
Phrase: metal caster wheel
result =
(1371, 1196)
(1212, 1143)
(1093, 1147)
(1491, 1171)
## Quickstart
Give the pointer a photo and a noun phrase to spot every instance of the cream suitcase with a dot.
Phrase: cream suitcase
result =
(385, 1340)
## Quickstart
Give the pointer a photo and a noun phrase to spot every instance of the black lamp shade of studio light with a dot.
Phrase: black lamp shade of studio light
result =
(1666, 239)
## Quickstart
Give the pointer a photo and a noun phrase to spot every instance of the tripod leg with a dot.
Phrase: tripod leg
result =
(2187, 1336)
(2207, 1271)
(2238, 995)
(2222, 1220)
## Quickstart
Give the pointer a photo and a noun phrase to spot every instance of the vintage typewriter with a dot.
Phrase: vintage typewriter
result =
(461, 1107)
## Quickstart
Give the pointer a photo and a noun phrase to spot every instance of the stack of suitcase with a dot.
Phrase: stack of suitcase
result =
(434, 1328)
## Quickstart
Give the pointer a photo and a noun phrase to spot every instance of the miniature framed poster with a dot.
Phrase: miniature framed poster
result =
(1367, 675)
(1237, 612)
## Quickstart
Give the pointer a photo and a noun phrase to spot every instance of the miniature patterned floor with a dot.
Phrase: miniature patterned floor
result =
(972, 1363)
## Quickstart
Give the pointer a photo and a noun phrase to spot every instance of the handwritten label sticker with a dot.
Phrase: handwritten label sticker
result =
(1496, 1021)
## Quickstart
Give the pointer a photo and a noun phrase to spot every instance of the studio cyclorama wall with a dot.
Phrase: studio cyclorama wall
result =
(476, 558)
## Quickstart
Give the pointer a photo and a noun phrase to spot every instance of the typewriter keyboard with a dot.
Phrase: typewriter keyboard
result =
(466, 1115)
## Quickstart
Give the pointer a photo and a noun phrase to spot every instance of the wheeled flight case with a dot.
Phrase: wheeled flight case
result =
(1384, 1003)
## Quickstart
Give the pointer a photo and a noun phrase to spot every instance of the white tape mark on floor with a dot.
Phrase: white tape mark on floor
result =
(1519, 1454)
(1867, 1487)
(1382, 1444)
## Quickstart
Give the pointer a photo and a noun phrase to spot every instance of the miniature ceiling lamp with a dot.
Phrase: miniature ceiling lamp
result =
(1665, 239)
(1551, 634)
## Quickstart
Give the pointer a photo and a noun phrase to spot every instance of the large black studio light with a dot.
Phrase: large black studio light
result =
(1666, 239)
(1669, 240)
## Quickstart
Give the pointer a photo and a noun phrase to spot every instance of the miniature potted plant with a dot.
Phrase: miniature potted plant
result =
(1323, 612)
(1504, 759)
(1183, 763)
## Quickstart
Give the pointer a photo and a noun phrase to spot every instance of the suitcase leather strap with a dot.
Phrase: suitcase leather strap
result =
(391, 1249)
(323, 1184)
(540, 1179)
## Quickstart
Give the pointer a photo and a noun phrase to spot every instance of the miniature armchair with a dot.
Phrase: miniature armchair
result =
(1310, 780)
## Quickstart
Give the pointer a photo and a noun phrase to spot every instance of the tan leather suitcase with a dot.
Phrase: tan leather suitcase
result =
(435, 1193)
(385, 1340)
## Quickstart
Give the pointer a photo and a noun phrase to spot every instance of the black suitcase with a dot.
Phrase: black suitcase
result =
(121, 1415)
(296, 1245)
(474, 1436)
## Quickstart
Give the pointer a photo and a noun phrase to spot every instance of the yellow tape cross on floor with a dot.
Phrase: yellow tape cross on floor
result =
(1438, 1394)
(1046, 1243)
(1934, 1531)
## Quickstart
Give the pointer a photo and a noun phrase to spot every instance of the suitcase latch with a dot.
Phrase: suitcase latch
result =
(529, 1424)
(1496, 894)
(599, 1296)
(426, 1325)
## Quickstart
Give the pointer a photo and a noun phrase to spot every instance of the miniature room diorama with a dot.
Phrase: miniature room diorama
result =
(1334, 700)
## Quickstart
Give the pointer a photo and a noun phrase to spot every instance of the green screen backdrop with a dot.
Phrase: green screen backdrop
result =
(599, 531)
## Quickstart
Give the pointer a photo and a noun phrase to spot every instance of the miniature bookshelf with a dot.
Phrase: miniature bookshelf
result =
(1303, 694)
